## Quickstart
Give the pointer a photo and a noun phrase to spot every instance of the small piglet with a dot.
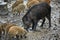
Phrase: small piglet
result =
(35, 13)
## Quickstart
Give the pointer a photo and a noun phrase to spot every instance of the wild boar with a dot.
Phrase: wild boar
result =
(20, 8)
(35, 13)
(17, 31)
(17, 3)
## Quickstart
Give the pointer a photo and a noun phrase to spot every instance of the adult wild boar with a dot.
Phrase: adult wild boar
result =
(35, 13)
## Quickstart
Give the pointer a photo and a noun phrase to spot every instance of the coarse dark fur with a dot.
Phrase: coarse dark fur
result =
(35, 13)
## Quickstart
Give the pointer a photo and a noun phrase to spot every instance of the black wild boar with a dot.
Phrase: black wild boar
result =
(35, 13)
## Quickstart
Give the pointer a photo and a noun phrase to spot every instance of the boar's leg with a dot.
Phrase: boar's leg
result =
(17, 36)
(42, 23)
(49, 18)
(34, 25)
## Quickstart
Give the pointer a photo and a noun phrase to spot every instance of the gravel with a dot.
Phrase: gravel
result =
(41, 34)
